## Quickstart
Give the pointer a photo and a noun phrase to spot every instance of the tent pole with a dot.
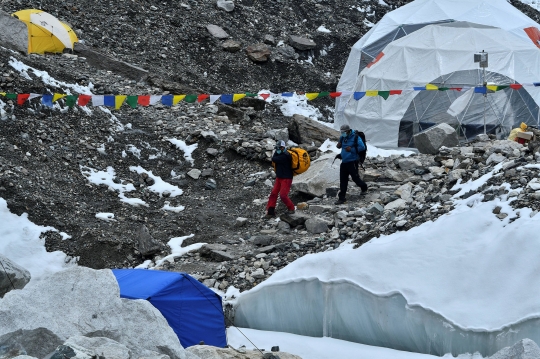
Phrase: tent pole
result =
(485, 98)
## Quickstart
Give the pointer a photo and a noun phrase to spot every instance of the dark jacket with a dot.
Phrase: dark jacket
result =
(353, 154)
(283, 163)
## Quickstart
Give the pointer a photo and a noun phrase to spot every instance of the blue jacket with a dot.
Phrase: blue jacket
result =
(349, 141)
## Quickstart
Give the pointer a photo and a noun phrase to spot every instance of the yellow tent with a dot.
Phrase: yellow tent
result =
(45, 32)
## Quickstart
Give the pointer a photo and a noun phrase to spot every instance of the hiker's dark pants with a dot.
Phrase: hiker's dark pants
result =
(346, 170)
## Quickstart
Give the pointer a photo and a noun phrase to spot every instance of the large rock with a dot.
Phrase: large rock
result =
(13, 33)
(295, 219)
(84, 347)
(258, 52)
(106, 62)
(304, 130)
(316, 225)
(301, 43)
(430, 140)
(524, 349)
(321, 175)
(12, 275)
(147, 244)
(38, 343)
(408, 163)
(217, 32)
(83, 301)
(209, 352)
(226, 5)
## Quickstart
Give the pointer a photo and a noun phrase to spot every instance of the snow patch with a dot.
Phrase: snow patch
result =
(182, 146)
(160, 186)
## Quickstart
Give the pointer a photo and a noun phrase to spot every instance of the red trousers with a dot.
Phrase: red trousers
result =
(282, 188)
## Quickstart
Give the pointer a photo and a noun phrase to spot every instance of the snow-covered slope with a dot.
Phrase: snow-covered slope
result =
(464, 283)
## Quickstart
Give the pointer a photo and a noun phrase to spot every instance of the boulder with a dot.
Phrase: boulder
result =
(209, 352)
(103, 61)
(231, 46)
(322, 174)
(12, 275)
(262, 240)
(147, 244)
(301, 43)
(524, 349)
(397, 204)
(430, 140)
(77, 296)
(295, 219)
(97, 347)
(304, 130)
(226, 5)
(405, 191)
(259, 52)
(316, 225)
(408, 164)
(38, 343)
(269, 39)
(14, 33)
(495, 158)
(278, 134)
(217, 32)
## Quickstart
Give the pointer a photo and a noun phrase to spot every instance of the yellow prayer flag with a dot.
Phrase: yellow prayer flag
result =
(118, 101)
(312, 95)
(238, 96)
(3, 93)
(492, 87)
(372, 93)
(58, 96)
(431, 87)
(178, 98)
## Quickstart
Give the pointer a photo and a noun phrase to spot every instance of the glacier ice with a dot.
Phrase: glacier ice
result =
(467, 282)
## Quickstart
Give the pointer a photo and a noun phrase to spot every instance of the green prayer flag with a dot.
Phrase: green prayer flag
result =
(132, 101)
(71, 100)
(190, 98)
(384, 94)
(443, 88)
(249, 94)
(501, 88)
(323, 94)
(11, 96)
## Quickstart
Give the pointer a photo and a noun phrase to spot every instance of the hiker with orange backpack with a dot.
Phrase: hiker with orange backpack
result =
(284, 176)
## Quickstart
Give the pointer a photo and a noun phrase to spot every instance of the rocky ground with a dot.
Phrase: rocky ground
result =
(44, 154)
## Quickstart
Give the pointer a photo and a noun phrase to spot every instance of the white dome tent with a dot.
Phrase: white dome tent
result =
(442, 55)
(497, 13)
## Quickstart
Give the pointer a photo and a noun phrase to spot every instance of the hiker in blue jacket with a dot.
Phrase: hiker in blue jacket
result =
(349, 161)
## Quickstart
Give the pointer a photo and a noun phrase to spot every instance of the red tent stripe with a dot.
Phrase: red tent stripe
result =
(335, 94)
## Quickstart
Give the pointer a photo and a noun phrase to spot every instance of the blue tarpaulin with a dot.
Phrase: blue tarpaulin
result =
(192, 310)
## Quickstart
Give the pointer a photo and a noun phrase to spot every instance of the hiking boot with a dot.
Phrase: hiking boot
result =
(340, 201)
(291, 211)
(363, 193)
(269, 216)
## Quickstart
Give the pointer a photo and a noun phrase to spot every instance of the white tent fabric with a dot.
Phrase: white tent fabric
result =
(435, 52)
(497, 13)
(53, 25)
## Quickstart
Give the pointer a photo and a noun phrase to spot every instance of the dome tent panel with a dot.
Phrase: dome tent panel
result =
(45, 32)
(193, 311)
(497, 13)
(416, 60)
(505, 109)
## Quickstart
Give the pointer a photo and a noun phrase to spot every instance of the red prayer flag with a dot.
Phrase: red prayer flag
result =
(202, 97)
(396, 92)
(21, 98)
(516, 86)
(335, 94)
(83, 100)
(144, 100)
(264, 95)
(456, 88)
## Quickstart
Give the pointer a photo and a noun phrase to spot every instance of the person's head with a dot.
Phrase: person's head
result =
(345, 130)
(281, 146)
(523, 126)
